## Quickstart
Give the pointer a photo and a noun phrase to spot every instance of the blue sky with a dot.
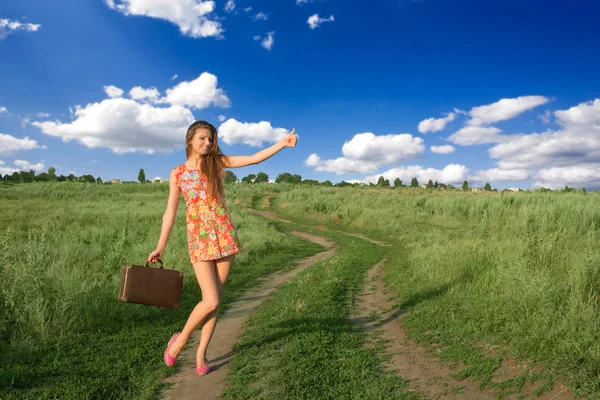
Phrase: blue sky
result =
(367, 87)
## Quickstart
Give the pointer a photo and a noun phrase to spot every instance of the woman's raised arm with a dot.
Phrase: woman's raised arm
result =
(242, 161)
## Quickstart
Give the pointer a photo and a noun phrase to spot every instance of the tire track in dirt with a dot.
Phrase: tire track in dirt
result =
(427, 374)
(186, 383)
(380, 317)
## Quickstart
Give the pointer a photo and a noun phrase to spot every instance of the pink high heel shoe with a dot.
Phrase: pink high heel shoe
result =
(170, 360)
(204, 370)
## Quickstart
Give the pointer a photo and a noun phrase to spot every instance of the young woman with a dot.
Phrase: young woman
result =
(212, 238)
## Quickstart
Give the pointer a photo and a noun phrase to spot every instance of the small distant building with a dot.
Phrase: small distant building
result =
(160, 180)
(423, 186)
(476, 190)
(513, 189)
(115, 181)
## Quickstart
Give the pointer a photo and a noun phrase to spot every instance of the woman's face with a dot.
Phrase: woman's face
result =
(201, 141)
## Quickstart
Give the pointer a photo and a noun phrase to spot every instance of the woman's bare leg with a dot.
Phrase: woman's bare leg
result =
(222, 268)
(209, 285)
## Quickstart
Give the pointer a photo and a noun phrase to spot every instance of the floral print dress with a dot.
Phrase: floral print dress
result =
(211, 234)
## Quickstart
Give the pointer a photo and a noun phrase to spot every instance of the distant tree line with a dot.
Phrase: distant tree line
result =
(261, 177)
(50, 176)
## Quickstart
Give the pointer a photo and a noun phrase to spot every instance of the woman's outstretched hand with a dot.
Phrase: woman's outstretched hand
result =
(291, 139)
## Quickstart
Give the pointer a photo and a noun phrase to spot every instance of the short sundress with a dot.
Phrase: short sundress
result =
(211, 234)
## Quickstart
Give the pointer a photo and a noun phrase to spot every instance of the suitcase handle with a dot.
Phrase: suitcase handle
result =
(159, 260)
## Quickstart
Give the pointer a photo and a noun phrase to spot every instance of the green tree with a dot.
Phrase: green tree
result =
(16, 177)
(487, 187)
(383, 182)
(61, 178)
(87, 178)
(397, 182)
(27, 177)
(98, 180)
(142, 176)
(52, 173)
(465, 186)
(436, 185)
(261, 177)
(327, 183)
(284, 177)
(71, 177)
(430, 184)
(230, 177)
(414, 183)
(249, 178)
(43, 177)
(342, 184)
(309, 182)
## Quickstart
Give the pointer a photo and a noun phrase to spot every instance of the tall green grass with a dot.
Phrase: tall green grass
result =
(63, 333)
(521, 271)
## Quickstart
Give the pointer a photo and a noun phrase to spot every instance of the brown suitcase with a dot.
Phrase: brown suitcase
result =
(151, 285)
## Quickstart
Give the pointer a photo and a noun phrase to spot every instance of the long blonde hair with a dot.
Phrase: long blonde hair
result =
(211, 165)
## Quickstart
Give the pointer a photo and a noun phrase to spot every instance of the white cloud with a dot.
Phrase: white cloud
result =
(545, 117)
(247, 9)
(25, 121)
(568, 156)
(139, 93)
(200, 93)
(174, 77)
(27, 166)
(260, 16)
(574, 176)
(267, 42)
(470, 135)
(383, 150)
(7, 26)
(314, 20)
(8, 170)
(435, 125)
(3, 110)
(113, 91)
(10, 144)
(250, 133)
(257, 37)
(451, 174)
(42, 115)
(495, 175)
(230, 5)
(301, 1)
(193, 17)
(447, 149)
(504, 109)
(584, 116)
(366, 152)
(340, 165)
(222, 118)
(124, 126)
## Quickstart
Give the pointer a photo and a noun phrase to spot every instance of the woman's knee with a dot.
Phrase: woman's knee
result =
(212, 303)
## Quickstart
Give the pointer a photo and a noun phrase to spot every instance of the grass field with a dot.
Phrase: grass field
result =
(63, 334)
(483, 275)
